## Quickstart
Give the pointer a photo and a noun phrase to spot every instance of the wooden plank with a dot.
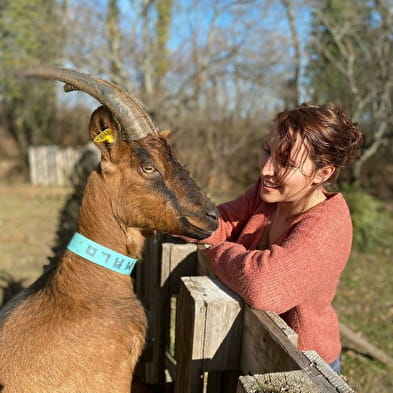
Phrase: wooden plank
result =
(39, 162)
(203, 263)
(223, 327)
(150, 266)
(52, 165)
(68, 158)
(331, 376)
(190, 324)
(178, 260)
(158, 278)
(208, 331)
(289, 333)
(60, 165)
(147, 286)
(291, 381)
(265, 346)
(298, 381)
(32, 165)
(266, 349)
(45, 166)
(51, 178)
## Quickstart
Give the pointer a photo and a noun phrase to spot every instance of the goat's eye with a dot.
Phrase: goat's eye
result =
(148, 169)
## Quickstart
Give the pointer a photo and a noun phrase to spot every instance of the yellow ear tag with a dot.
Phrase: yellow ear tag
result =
(105, 136)
(165, 133)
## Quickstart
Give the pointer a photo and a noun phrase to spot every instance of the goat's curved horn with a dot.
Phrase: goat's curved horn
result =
(126, 109)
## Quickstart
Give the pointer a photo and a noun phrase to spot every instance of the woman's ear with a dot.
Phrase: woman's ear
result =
(105, 133)
(323, 174)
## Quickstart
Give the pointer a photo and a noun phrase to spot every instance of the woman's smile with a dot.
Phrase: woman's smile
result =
(270, 186)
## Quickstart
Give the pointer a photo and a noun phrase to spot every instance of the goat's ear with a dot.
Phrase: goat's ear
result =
(104, 132)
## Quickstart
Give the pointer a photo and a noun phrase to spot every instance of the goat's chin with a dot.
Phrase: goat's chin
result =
(194, 232)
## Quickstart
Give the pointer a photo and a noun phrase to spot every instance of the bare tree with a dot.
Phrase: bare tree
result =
(214, 72)
(113, 34)
(293, 97)
(364, 58)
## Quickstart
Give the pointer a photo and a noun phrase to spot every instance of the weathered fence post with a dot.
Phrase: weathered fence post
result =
(208, 332)
(158, 278)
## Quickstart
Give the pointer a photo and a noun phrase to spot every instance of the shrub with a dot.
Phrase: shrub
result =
(371, 219)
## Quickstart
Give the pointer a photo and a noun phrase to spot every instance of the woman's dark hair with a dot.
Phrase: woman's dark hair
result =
(330, 137)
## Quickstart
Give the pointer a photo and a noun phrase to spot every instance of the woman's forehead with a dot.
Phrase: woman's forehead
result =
(281, 144)
(290, 139)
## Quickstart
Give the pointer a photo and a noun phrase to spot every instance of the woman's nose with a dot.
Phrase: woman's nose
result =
(266, 167)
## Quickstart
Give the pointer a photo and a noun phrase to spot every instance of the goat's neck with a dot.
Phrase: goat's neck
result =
(97, 221)
(85, 280)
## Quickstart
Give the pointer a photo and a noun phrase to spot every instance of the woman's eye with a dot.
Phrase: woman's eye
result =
(148, 169)
(266, 150)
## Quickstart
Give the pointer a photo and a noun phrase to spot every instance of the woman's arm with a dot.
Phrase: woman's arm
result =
(281, 277)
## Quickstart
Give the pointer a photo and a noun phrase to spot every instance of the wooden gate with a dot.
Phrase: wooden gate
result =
(205, 339)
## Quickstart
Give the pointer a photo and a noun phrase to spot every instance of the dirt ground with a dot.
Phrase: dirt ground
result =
(29, 218)
(28, 222)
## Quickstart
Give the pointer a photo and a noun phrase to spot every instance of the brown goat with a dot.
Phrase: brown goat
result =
(79, 327)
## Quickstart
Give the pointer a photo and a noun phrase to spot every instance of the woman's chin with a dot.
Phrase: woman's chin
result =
(269, 196)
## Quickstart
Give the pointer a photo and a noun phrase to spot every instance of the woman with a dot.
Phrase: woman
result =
(283, 244)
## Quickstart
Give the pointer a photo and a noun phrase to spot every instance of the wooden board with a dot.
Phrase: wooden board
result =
(208, 331)
(158, 278)
(291, 381)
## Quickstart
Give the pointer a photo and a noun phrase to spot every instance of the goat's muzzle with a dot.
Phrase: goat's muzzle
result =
(203, 225)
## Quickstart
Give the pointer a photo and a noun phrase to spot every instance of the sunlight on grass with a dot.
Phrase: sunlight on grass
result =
(364, 302)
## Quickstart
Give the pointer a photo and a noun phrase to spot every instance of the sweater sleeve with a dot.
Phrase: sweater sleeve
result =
(279, 278)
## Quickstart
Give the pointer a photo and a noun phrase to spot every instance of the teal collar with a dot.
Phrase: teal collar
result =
(101, 255)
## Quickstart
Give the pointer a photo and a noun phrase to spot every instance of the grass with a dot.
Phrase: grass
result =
(28, 222)
(364, 301)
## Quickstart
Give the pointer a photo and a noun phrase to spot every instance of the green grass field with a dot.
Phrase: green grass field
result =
(364, 302)
(28, 221)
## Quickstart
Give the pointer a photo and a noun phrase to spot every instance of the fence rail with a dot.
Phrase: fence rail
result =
(204, 338)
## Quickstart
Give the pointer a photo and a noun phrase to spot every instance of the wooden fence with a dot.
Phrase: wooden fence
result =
(205, 339)
(55, 166)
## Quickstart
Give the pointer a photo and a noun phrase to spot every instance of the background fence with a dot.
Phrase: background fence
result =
(205, 339)
(55, 166)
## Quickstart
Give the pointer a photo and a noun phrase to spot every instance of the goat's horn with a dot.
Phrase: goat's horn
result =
(126, 109)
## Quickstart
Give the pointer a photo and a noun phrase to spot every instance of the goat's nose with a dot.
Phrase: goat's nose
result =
(212, 215)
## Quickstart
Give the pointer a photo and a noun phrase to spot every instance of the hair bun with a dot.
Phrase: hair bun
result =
(355, 137)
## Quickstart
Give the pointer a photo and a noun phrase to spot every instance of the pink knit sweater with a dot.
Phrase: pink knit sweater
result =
(297, 277)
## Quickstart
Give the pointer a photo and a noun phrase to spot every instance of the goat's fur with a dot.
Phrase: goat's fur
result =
(79, 327)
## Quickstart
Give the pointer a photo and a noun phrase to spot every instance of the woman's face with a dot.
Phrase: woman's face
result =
(291, 183)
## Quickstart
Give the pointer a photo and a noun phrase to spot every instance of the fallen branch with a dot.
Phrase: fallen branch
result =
(359, 344)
